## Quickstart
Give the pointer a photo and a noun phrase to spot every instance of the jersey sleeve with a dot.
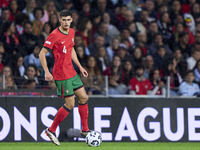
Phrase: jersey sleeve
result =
(49, 43)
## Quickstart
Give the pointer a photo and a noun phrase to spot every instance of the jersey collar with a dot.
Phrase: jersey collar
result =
(62, 32)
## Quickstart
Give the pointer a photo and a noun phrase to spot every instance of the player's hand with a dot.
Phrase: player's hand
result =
(48, 76)
(84, 72)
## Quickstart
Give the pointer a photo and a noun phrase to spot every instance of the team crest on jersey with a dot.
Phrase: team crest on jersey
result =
(73, 40)
(67, 91)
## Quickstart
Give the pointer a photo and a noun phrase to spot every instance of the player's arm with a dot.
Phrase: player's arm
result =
(76, 61)
(43, 61)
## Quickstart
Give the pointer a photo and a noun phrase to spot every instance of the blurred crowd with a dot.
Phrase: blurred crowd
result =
(136, 43)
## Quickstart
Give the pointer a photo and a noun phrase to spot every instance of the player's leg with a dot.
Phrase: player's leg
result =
(62, 113)
(62, 91)
(83, 108)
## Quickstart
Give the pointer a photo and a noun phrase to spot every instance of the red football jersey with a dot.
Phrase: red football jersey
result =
(140, 87)
(61, 45)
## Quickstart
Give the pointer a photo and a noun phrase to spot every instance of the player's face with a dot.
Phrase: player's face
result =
(65, 22)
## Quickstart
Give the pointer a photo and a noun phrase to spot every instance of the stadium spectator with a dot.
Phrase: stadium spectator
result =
(159, 57)
(75, 16)
(157, 84)
(102, 58)
(134, 5)
(175, 11)
(127, 72)
(10, 83)
(197, 72)
(129, 18)
(158, 41)
(150, 6)
(139, 85)
(86, 10)
(143, 22)
(102, 7)
(179, 27)
(163, 8)
(170, 69)
(114, 73)
(45, 33)
(112, 49)
(30, 6)
(188, 88)
(137, 56)
(153, 29)
(96, 19)
(93, 83)
(165, 27)
(112, 30)
(182, 65)
(53, 21)
(183, 43)
(99, 40)
(37, 23)
(122, 52)
(27, 39)
(142, 42)
(49, 9)
(17, 66)
(133, 30)
(7, 71)
(5, 14)
(84, 28)
(82, 57)
(29, 84)
(195, 56)
(196, 44)
(125, 33)
(195, 10)
(103, 31)
(122, 15)
(20, 18)
(33, 58)
(9, 38)
(68, 4)
(148, 65)
(13, 6)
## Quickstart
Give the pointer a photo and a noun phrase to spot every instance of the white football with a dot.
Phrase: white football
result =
(93, 138)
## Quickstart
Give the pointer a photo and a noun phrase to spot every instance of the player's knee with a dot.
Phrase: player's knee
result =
(70, 105)
(84, 99)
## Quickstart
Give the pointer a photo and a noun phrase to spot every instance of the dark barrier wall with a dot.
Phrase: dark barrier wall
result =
(138, 119)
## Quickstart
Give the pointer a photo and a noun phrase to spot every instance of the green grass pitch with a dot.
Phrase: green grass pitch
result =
(103, 146)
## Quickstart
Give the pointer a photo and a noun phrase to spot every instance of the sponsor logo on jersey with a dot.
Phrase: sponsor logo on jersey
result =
(48, 42)
(73, 40)
(63, 42)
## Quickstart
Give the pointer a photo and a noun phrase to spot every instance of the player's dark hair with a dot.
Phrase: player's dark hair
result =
(65, 13)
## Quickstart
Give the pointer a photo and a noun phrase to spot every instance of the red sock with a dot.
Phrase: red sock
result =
(83, 111)
(60, 116)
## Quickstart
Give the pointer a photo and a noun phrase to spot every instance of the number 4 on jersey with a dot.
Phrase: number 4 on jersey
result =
(64, 50)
